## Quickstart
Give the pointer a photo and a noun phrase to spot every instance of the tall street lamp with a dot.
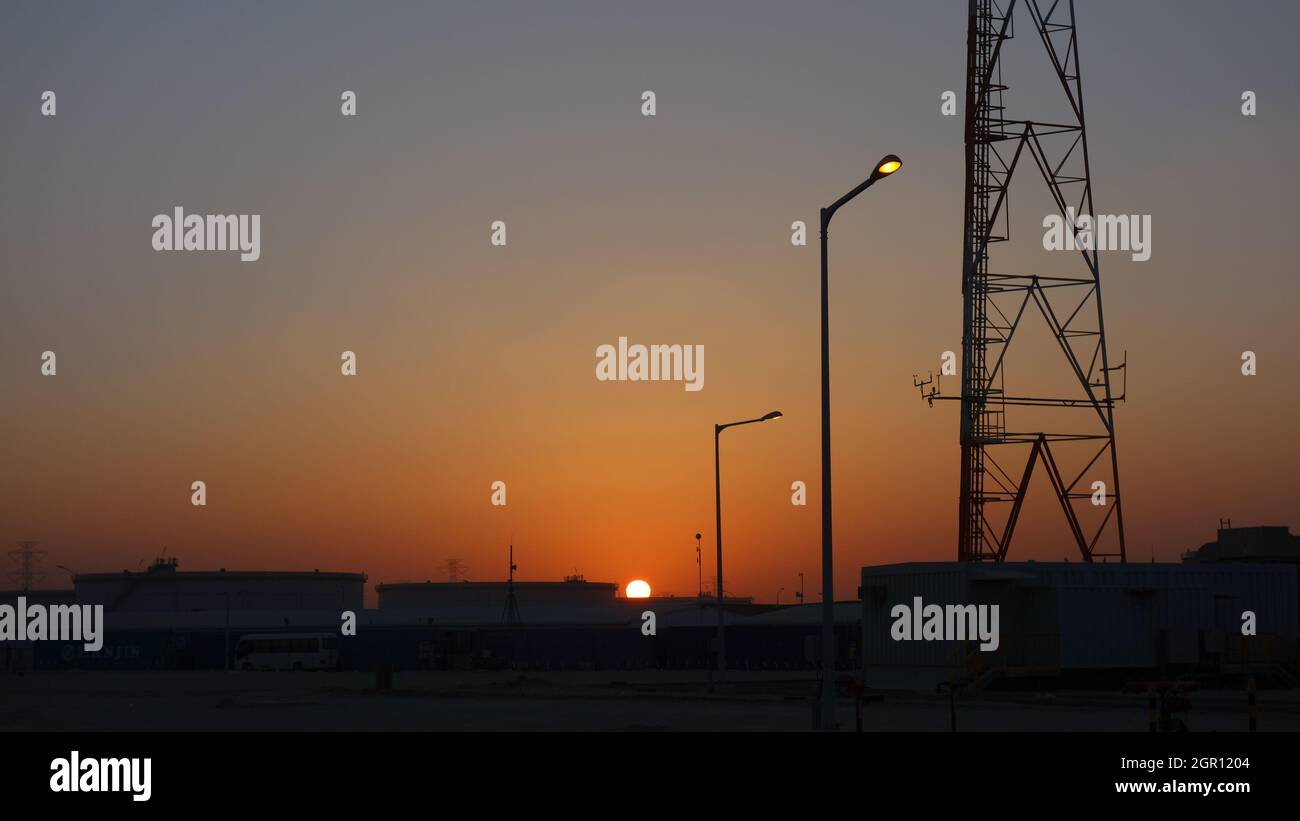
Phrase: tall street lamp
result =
(887, 165)
(717, 497)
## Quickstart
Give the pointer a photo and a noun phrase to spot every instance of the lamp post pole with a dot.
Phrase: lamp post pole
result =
(717, 587)
(717, 502)
(887, 165)
(828, 570)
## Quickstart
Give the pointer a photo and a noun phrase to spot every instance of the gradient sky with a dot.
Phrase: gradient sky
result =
(477, 363)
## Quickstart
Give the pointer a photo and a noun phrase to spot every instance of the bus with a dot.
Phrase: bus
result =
(288, 651)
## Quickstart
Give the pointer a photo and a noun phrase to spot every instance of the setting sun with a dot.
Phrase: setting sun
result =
(637, 589)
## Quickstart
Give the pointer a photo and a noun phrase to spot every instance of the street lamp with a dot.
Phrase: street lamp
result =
(888, 164)
(717, 498)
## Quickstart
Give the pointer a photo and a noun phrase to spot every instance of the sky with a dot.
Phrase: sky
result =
(476, 363)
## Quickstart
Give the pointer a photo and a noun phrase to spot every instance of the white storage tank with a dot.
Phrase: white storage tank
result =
(164, 588)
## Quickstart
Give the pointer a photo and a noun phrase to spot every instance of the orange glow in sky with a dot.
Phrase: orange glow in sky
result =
(476, 364)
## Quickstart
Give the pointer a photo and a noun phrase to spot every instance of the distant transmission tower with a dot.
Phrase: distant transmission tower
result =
(1074, 441)
(29, 571)
(454, 568)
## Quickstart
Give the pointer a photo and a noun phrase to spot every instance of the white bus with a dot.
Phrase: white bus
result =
(288, 651)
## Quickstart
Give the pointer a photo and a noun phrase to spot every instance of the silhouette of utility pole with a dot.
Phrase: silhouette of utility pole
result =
(699, 566)
(800, 593)
(511, 616)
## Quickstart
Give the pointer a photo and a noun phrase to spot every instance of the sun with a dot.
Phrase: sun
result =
(637, 589)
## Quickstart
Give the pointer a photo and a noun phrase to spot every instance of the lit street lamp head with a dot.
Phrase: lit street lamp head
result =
(888, 164)
(766, 417)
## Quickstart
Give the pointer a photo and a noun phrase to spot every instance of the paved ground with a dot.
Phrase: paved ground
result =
(645, 700)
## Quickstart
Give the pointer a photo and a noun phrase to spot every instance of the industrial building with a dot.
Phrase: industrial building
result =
(572, 601)
(1270, 543)
(1059, 620)
(163, 587)
(1076, 618)
(573, 592)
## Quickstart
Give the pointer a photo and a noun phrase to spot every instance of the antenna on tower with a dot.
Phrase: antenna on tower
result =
(511, 616)
(929, 395)
(29, 570)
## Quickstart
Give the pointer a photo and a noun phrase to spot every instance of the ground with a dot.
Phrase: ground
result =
(607, 701)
